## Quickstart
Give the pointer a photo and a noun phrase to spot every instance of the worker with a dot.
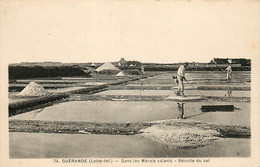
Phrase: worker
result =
(229, 72)
(142, 70)
(180, 78)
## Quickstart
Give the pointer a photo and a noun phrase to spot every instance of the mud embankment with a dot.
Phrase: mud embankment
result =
(129, 128)
(150, 98)
(32, 103)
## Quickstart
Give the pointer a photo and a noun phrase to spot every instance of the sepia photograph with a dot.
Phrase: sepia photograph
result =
(117, 82)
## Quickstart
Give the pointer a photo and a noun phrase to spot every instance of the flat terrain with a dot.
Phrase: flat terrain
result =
(129, 111)
(39, 145)
(129, 108)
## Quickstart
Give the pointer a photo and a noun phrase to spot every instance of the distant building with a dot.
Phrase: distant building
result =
(134, 64)
(219, 61)
(241, 61)
(122, 62)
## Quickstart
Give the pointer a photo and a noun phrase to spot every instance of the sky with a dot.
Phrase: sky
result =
(148, 31)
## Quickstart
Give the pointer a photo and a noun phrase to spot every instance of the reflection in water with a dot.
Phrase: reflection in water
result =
(229, 93)
(35, 113)
(181, 110)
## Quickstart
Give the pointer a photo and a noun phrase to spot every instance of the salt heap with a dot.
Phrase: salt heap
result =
(120, 74)
(33, 89)
(175, 133)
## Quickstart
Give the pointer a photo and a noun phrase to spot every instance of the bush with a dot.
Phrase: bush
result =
(109, 72)
(132, 72)
(24, 72)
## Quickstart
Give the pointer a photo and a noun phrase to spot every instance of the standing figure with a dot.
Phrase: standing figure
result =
(229, 73)
(142, 70)
(180, 78)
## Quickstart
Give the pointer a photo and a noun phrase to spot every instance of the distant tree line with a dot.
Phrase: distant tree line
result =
(244, 68)
(23, 72)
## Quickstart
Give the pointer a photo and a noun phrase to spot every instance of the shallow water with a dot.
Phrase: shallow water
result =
(171, 93)
(215, 76)
(123, 111)
(42, 145)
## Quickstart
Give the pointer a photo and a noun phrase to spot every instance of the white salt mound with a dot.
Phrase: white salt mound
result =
(94, 83)
(33, 89)
(187, 98)
(180, 136)
(120, 74)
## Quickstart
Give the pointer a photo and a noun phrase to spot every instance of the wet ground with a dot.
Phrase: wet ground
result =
(37, 145)
(30, 145)
(123, 111)
(171, 93)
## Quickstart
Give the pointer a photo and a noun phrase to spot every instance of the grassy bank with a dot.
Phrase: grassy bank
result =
(39, 102)
(69, 127)
(34, 103)
(150, 98)
(131, 128)
(161, 87)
